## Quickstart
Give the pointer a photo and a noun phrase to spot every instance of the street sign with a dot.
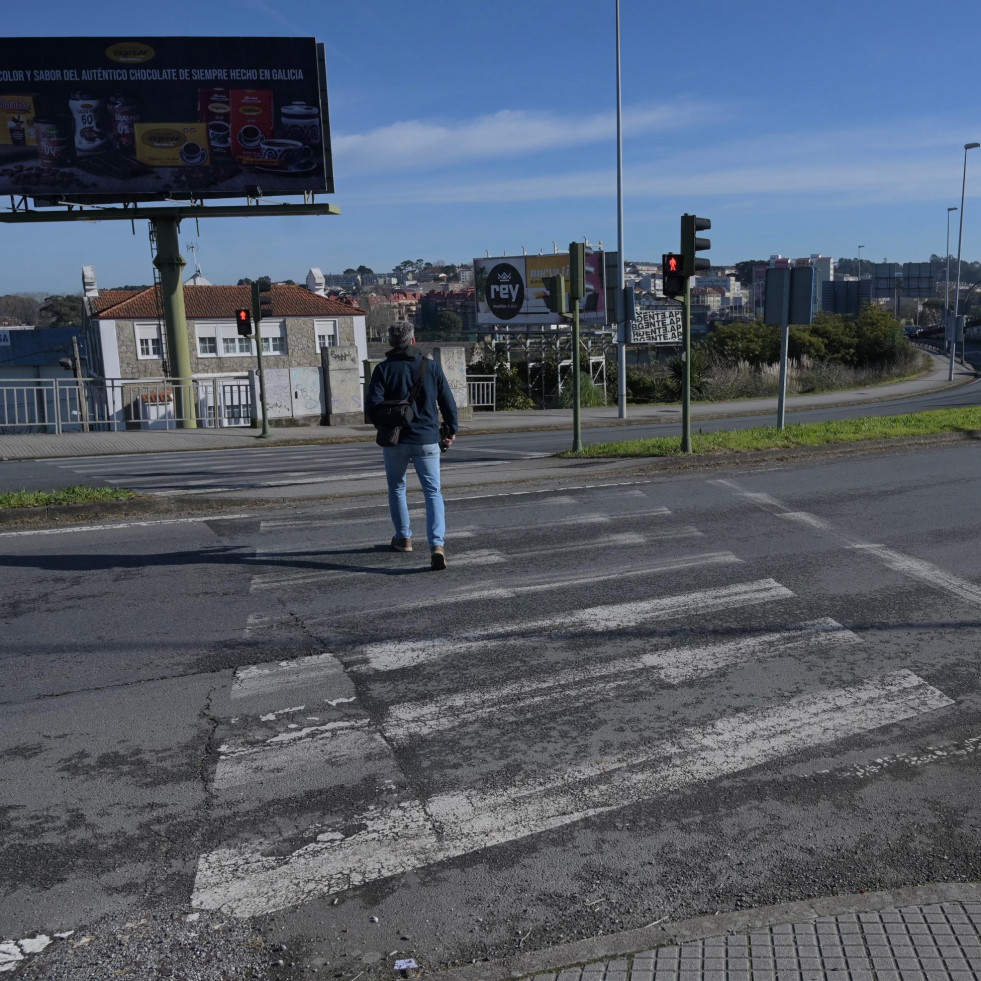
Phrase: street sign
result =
(657, 327)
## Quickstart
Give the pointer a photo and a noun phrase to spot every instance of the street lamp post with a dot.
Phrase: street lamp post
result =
(621, 312)
(860, 276)
(960, 236)
(947, 280)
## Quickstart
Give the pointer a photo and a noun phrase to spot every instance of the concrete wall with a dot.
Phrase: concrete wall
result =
(344, 397)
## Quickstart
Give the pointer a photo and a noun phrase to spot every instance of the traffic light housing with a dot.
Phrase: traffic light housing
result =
(555, 298)
(262, 305)
(577, 270)
(243, 321)
(672, 266)
(691, 243)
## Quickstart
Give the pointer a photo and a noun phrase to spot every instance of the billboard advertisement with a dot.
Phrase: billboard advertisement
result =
(509, 290)
(117, 119)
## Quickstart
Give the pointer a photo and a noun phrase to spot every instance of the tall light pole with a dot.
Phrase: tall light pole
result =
(860, 276)
(947, 280)
(621, 323)
(960, 236)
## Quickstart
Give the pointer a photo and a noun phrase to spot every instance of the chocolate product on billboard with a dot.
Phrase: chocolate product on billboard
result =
(91, 125)
(125, 116)
(251, 121)
(18, 131)
(214, 110)
(301, 122)
(53, 143)
(172, 144)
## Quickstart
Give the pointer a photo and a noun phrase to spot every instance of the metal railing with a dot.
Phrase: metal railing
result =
(482, 391)
(54, 405)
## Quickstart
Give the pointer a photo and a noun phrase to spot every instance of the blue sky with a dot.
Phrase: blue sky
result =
(460, 129)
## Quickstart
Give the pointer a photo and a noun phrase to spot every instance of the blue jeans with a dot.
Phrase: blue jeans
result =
(425, 458)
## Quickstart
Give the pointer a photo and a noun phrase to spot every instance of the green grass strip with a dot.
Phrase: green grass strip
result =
(70, 495)
(964, 420)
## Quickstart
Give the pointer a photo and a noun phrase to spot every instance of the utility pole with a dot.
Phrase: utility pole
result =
(83, 396)
(261, 306)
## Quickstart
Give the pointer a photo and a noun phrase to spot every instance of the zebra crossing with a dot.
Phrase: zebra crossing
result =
(353, 723)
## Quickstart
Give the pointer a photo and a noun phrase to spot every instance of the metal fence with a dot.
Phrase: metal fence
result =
(482, 391)
(54, 405)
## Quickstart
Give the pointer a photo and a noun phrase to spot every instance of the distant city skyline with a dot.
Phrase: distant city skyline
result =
(796, 130)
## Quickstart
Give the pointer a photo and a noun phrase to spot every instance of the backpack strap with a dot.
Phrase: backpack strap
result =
(417, 380)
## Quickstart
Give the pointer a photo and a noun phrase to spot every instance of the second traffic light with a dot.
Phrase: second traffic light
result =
(672, 272)
(691, 243)
(243, 321)
(555, 296)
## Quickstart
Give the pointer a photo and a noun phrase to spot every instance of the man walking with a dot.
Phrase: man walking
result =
(419, 440)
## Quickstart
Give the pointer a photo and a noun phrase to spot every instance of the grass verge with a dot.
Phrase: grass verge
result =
(70, 495)
(965, 420)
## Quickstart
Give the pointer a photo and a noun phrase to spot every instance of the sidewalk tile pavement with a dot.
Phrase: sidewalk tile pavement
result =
(912, 943)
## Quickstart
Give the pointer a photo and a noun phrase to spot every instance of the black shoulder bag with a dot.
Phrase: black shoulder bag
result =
(391, 415)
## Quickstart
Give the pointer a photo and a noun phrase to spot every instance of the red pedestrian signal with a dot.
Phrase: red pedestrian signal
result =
(672, 274)
(243, 319)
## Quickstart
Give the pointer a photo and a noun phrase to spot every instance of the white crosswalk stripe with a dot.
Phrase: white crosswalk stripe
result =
(343, 723)
(249, 881)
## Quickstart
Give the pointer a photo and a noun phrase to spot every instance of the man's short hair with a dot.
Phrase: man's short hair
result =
(400, 334)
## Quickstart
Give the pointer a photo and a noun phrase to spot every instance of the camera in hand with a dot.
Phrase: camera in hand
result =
(445, 437)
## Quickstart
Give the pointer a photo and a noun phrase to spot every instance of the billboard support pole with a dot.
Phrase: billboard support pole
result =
(171, 264)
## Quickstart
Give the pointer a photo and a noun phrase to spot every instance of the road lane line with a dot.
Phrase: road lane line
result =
(392, 655)
(586, 685)
(925, 572)
(251, 880)
(74, 529)
(907, 565)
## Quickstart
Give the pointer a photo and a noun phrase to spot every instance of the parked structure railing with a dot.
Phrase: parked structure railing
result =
(482, 391)
(54, 405)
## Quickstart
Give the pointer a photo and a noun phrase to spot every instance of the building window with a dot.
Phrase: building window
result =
(148, 343)
(236, 346)
(273, 339)
(326, 333)
(207, 346)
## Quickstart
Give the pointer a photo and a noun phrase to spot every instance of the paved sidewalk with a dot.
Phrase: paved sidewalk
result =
(911, 943)
(916, 933)
(32, 446)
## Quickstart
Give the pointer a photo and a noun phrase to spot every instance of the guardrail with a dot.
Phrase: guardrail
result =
(482, 391)
(54, 405)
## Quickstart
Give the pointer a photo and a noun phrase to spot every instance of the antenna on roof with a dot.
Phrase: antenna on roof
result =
(193, 249)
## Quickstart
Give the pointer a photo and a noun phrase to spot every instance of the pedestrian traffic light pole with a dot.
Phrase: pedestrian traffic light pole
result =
(676, 270)
(261, 304)
(577, 289)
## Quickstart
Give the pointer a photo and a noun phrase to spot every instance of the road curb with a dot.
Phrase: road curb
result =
(556, 469)
(664, 934)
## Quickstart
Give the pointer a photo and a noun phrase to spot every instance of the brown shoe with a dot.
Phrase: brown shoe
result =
(401, 544)
(437, 558)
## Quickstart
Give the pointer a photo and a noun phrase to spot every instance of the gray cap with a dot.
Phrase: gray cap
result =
(400, 334)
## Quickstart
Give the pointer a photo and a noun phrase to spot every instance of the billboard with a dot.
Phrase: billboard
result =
(119, 119)
(509, 290)
(664, 326)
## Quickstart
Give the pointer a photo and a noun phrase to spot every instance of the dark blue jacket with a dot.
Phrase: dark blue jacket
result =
(392, 379)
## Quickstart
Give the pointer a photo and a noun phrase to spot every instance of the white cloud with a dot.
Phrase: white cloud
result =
(838, 167)
(507, 133)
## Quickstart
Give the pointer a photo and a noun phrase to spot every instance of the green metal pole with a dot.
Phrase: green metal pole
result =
(576, 411)
(686, 373)
(257, 320)
(170, 263)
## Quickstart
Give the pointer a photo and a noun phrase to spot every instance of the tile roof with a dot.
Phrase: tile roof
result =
(217, 302)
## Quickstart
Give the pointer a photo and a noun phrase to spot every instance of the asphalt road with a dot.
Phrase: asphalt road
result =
(320, 467)
(671, 696)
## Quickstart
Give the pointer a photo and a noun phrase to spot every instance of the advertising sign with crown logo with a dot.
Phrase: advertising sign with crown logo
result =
(510, 290)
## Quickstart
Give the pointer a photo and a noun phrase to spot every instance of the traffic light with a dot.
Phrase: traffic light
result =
(691, 243)
(555, 298)
(262, 304)
(672, 266)
(577, 270)
(243, 320)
